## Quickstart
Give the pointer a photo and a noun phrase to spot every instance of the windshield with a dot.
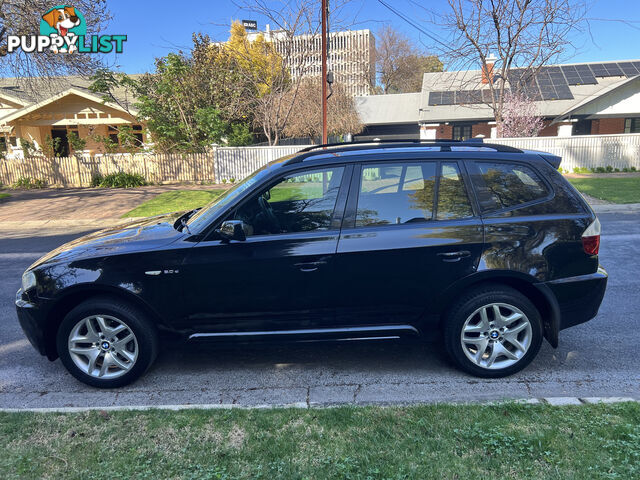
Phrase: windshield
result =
(204, 216)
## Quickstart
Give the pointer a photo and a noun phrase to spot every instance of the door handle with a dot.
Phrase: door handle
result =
(309, 266)
(454, 256)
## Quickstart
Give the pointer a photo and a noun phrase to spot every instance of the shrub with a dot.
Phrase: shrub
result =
(581, 170)
(96, 179)
(29, 183)
(118, 180)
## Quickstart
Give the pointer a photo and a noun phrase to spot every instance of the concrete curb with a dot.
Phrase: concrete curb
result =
(553, 401)
(617, 208)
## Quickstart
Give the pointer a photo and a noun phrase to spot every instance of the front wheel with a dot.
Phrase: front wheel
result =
(106, 343)
(493, 332)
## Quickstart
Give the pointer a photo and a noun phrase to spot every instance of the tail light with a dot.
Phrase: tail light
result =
(591, 238)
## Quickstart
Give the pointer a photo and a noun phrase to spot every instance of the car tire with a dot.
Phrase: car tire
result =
(493, 331)
(106, 342)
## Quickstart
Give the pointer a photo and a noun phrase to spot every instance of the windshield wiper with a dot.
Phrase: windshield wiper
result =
(183, 220)
(185, 226)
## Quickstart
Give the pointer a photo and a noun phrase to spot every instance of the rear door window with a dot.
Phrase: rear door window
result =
(506, 185)
(397, 193)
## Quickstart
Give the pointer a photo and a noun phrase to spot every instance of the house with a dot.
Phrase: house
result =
(43, 109)
(573, 99)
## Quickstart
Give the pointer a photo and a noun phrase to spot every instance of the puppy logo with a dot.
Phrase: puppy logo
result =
(66, 22)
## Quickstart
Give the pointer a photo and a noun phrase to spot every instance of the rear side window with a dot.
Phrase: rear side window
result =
(453, 201)
(396, 193)
(393, 194)
(505, 185)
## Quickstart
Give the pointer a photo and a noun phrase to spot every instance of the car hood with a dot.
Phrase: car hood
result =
(140, 235)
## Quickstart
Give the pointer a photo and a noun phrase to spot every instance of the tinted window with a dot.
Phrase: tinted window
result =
(453, 201)
(298, 203)
(392, 194)
(504, 185)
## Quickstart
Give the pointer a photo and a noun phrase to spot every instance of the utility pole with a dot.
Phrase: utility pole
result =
(324, 71)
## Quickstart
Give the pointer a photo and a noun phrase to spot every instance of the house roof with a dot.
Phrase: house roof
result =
(469, 82)
(31, 92)
(84, 93)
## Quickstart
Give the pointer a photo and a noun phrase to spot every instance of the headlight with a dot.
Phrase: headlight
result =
(28, 280)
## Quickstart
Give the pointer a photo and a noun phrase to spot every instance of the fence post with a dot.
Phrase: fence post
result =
(78, 170)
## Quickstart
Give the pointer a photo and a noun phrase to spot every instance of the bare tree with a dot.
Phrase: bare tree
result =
(289, 20)
(22, 17)
(400, 64)
(520, 117)
(306, 119)
(523, 35)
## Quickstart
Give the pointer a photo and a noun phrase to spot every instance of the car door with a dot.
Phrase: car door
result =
(280, 277)
(409, 232)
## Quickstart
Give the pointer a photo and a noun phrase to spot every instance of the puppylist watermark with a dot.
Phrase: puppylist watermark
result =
(63, 29)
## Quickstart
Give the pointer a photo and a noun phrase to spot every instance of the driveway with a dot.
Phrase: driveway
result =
(599, 358)
(80, 203)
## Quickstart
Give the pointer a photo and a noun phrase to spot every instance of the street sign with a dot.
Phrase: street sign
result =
(250, 24)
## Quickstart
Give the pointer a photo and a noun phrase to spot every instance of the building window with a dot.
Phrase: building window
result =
(113, 134)
(461, 132)
(632, 125)
(3, 144)
(137, 132)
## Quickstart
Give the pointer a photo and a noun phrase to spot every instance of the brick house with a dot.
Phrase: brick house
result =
(54, 108)
(573, 99)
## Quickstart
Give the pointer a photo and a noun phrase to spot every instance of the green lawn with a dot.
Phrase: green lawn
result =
(178, 200)
(4, 195)
(612, 189)
(174, 201)
(437, 441)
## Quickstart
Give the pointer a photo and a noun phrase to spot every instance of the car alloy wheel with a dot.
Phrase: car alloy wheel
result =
(496, 336)
(103, 346)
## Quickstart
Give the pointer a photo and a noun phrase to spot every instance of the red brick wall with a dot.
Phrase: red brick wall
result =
(607, 126)
(481, 129)
(445, 131)
(548, 130)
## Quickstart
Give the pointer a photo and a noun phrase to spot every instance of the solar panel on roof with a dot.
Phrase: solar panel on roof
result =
(448, 98)
(468, 97)
(628, 68)
(613, 70)
(571, 74)
(637, 65)
(563, 92)
(586, 75)
(435, 98)
(599, 70)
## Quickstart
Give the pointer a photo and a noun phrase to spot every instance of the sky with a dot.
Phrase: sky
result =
(156, 28)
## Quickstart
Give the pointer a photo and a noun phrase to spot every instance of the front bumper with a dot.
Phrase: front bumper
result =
(31, 318)
(579, 298)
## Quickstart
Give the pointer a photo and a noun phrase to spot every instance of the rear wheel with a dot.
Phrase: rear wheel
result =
(106, 343)
(493, 331)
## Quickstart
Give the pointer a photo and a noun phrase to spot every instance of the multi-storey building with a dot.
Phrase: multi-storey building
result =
(351, 56)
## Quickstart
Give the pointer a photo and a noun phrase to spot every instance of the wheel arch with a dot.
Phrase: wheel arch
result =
(73, 296)
(537, 292)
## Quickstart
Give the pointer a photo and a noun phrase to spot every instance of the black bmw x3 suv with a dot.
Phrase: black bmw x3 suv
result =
(485, 246)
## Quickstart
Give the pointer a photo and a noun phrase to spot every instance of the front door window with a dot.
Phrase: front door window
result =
(301, 202)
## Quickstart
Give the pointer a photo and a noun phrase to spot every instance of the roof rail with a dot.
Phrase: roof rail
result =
(445, 146)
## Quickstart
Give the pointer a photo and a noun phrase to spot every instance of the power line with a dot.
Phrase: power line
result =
(414, 25)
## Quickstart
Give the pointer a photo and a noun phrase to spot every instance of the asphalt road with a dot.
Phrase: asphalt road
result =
(599, 358)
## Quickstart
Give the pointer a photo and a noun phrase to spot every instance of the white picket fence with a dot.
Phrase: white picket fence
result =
(590, 151)
(225, 164)
(235, 163)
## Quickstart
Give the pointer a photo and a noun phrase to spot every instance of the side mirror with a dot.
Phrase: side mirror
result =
(232, 230)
